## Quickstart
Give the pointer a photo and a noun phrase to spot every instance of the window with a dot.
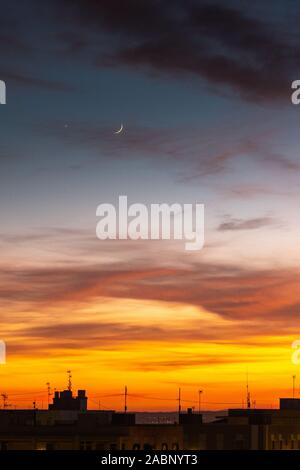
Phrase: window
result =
(86, 445)
(41, 446)
(136, 447)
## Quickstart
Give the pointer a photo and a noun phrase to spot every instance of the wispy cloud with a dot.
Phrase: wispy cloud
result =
(229, 291)
(19, 78)
(232, 224)
(196, 152)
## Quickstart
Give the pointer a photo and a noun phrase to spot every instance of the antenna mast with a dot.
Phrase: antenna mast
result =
(48, 392)
(294, 379)
(69, 380)
(125, 399)
(248, 394)
(199, 400)
(179, 400)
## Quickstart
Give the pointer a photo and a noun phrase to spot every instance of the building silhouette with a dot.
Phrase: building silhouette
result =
(65, 401)
(69, 425)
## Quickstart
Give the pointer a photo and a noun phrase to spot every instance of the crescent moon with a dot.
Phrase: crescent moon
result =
(120, 130)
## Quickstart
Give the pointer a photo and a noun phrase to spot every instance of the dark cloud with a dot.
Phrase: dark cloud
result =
(11, 44)
(12, 37)
(226, 46)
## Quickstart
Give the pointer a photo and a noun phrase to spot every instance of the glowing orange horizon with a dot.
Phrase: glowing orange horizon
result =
(153, 368)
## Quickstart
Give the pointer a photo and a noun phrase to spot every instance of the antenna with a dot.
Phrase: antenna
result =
(199, 400)
(48, 392)
(69, 380)
(179, 400)
(248, 393)
(125, 399)
(294, 380)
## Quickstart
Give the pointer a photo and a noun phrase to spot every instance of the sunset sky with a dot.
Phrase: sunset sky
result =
(203, 91)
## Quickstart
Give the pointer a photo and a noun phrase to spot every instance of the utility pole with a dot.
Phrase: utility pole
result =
(179, 400)
(294, 380)
(199, 400)
(125, 399)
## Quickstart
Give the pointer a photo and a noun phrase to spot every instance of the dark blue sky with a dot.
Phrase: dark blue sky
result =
(202, 88)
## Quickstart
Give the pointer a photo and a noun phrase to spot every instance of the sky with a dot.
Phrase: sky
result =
(203, 90)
